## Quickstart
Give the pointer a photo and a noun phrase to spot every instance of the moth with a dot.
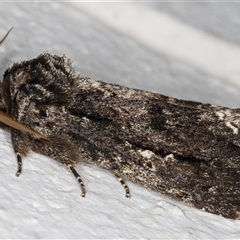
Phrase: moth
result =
(188, 151)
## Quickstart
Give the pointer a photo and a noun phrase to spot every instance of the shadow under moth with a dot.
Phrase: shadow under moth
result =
(186, 150)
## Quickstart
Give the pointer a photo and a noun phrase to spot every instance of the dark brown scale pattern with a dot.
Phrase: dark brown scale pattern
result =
(186, 150)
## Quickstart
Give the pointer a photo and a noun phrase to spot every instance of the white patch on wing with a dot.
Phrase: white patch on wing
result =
(226, 115)
(220, 114)
(169, 157)
(235, 129)
(146, 153)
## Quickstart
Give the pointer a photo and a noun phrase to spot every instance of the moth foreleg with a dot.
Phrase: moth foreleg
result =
(20, 147)
(127, 190)
(19, 161)
(78, 177)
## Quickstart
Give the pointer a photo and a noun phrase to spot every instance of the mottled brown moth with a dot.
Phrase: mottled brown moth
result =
(186, 150)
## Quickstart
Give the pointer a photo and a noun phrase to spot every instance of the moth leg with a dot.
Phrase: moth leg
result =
(19, 161)
(78, 177)
(20, 147)
(127, 190)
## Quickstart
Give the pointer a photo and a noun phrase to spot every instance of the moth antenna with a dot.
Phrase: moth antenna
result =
(4, 118)
(5, 36)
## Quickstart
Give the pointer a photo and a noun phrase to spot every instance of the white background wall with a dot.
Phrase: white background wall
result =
(184, 50)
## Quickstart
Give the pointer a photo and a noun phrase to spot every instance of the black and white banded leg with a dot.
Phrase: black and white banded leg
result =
(19, 147)
(78, 177)
(127, 191)
(19, 162)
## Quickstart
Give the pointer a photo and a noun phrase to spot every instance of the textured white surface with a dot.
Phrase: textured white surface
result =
(45, 202)
(169, 36)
